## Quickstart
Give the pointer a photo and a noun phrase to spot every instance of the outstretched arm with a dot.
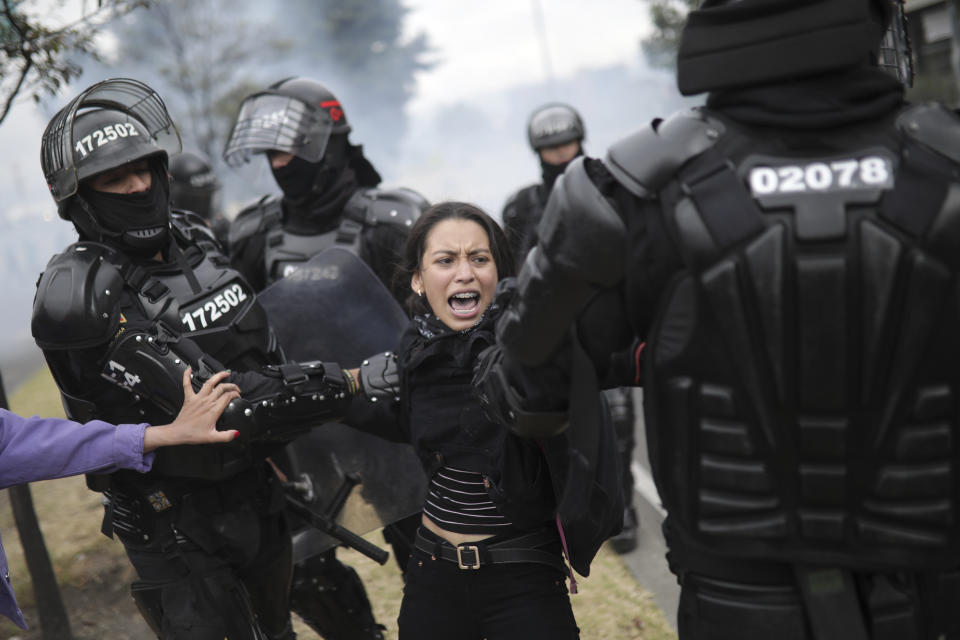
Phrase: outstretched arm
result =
(197, 421)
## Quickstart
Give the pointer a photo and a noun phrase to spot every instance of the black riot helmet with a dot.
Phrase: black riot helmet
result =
(736, 43)
(110, 124)
(296, 115)
(554, 124)
(193, 184)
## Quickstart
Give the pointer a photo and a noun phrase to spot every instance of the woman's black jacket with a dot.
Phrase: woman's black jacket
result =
(439, 414)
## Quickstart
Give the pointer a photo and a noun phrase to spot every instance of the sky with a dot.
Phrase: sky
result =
(495, 44)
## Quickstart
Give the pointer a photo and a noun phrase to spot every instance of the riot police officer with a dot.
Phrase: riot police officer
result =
(119, 315)
(789, 252)
(329, 199)
(195, 187)
(329, 188)
(556, 132)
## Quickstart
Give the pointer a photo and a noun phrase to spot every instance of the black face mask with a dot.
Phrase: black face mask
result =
(550, 172)
(301, 180)
(296, 177)
(139, 222)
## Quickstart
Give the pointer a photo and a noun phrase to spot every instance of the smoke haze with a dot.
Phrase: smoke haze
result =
(454, 132)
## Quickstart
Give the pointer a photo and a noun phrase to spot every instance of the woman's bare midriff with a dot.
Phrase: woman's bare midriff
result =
(451, 536)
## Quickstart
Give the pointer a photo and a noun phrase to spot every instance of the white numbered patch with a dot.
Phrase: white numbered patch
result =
(297, 273)
(207, 313)
(121, 375)
(105, 136)
(871, 172)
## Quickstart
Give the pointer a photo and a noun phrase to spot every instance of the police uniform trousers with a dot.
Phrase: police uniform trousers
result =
(219, 562)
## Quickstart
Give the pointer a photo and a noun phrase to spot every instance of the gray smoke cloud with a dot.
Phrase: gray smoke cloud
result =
(464, 145)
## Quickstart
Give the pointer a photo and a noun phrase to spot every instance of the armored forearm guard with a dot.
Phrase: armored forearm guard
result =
(311, 394)
(581, 249)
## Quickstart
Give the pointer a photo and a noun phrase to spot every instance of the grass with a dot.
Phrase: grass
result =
(611, 604)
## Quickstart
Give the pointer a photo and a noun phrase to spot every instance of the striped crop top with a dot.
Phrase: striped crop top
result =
(458, 501)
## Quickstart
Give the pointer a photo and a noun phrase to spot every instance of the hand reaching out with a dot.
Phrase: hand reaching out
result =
(197, 421)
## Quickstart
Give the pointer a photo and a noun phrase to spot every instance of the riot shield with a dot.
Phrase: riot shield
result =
(334, 308)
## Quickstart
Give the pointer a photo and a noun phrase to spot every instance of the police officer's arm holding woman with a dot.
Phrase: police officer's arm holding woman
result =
(487, 561)
(145, 294)
(789, 253)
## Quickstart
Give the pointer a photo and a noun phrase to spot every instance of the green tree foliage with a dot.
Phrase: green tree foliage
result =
(38, 44)
(668, 18)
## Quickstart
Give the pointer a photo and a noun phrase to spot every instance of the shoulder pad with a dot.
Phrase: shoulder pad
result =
(581, 231)
(516, 201)
(77, 298)
(933, 126)
(191, 227)
(386, 206)
(644, 161)
(255, 219)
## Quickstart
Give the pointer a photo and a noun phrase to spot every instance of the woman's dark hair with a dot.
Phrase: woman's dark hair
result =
(417, 244)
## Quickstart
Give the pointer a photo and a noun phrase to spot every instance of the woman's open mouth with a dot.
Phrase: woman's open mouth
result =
(464, 304)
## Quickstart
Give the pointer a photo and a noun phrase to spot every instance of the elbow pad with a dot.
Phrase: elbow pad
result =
(150, 366)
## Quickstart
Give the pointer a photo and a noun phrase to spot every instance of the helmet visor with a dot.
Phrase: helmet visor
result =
(270, 122)
(61, 150)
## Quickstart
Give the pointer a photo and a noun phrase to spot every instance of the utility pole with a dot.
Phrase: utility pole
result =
(540, 26)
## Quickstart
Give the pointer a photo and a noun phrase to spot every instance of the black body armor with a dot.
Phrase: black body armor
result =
(521, 215)
(117, 336)
(374, 222)
(800, 378)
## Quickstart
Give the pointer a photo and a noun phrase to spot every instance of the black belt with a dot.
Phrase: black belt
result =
(522, 549)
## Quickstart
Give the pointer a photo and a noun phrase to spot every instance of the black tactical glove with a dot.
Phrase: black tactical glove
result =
(379, 378)
(531, 402)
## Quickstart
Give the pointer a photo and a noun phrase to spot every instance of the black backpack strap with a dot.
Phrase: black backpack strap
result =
(348, 231)
(141, 280)
(725, 207)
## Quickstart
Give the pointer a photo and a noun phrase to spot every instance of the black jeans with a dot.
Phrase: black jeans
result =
(496, 602)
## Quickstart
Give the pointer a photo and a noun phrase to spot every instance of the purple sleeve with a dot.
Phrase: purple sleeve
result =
(44, 448)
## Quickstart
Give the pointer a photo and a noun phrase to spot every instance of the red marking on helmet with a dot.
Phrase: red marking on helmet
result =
(333, 108)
